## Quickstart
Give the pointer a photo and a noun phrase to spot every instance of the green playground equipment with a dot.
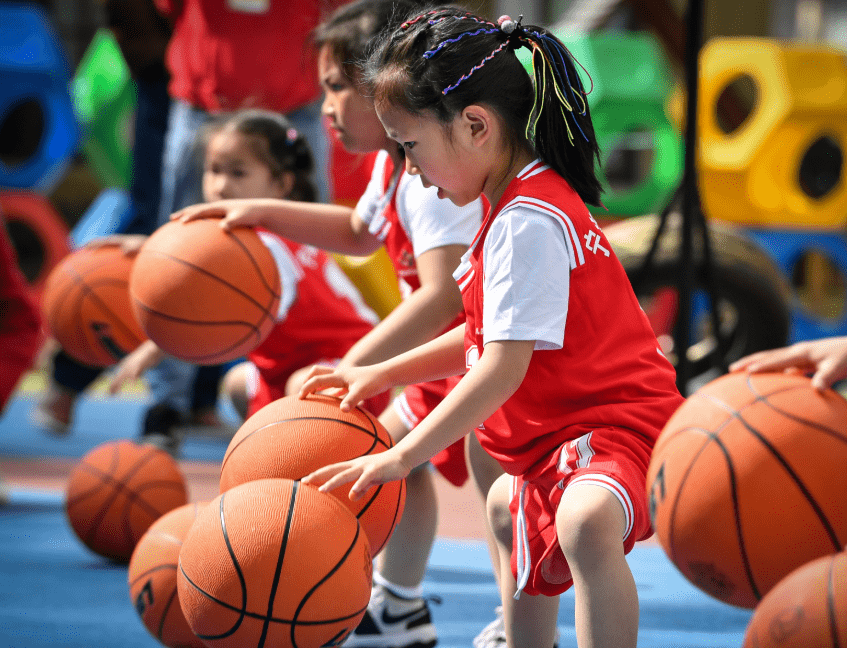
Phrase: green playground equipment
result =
(104, 103)
(641, 150)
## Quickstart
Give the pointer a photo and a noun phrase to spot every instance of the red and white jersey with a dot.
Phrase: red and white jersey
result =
(411, 219)
(321, 314)
(541, 269)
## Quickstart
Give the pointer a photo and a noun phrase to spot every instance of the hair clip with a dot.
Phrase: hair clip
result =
(507, 25)
(291, 135)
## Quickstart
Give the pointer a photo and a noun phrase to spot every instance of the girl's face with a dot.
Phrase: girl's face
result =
(441, 156)
(352, 117)
(232, 170)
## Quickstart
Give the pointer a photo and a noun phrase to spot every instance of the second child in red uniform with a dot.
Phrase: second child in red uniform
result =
(566, 386)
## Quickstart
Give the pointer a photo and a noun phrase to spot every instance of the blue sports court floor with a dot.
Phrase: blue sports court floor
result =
(54, 592)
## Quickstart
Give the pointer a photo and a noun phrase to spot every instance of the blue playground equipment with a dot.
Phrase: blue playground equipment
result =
(38, 129)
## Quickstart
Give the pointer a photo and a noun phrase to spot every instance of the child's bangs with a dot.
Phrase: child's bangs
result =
(390, 88)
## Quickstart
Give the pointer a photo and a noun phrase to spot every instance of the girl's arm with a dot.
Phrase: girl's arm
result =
(330, 227)
(420, 316)
(487, 385)
(439, 358)
(132, 367)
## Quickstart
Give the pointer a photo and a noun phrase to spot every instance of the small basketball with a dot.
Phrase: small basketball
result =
(152, 578)
(204, 295)
(806, 608)
(747, 480)
(117, 491)
(86, 306)
(277, 563)
(292, 437)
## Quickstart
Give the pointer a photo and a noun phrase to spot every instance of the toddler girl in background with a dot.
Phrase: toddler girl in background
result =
(566, 385)
(259, 154)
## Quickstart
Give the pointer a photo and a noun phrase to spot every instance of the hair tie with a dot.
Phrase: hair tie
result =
(507, 25)
(291, 135)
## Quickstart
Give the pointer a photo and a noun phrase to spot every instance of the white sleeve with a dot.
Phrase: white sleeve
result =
(369, 202)
(527, 279)
(289, 270)
(431, 222)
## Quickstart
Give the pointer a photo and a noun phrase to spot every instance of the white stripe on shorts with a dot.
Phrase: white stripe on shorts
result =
(613, 486)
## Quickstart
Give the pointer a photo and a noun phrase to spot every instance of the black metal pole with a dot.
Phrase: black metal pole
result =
(690, 196)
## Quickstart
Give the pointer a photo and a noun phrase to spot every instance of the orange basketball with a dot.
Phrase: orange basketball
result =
(117, 490)
(291, 437)
(806, 608)
(152, 578)
(205, 295)
(747, 482)
(86, 306)
(277, 563)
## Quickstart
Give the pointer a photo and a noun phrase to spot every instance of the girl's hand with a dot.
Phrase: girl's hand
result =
(366, 472)
(130, 244)
(355, 383)
(825, 359)
(132, 367)
(233, 213)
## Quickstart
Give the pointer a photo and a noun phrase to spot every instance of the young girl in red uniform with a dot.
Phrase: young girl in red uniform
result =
(566, 385)
(259, 154)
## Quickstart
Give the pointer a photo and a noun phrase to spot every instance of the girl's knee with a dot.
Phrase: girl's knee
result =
(589, 520)
(497, 510)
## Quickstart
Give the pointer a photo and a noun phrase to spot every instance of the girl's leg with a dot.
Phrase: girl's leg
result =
(404, 559)
(590, 524)
(484, 471)
(234, 387)
(398, 615)
(530, 621)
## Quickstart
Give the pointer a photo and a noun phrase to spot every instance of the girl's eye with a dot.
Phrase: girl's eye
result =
(409, 145)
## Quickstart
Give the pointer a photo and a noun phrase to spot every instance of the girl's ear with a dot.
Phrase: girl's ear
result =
(285, 182)
(477, 123)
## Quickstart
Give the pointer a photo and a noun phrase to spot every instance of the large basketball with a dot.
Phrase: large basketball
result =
(747, 482)
(274, 562)
(291, 437)
(205, 295)
(87, 308)
(117, 490)
(152, 578)
(806, 608)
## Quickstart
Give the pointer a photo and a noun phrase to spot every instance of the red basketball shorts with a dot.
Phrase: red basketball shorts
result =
(414, 404)
(612, 458)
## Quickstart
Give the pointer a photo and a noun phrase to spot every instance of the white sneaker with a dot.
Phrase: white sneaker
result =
(394, 622)
(494, 634)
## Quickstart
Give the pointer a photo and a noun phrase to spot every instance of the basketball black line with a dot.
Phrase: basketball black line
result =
(821, 515)
(255, 263)
(286, 534)
(216, 278)
(152, 570)
(254, 330)
(243, 582)
(832, 611)
(275, 292)
(372, 433)
(742, 549)
(243, 612)
(329, 574)
(87, 291)
(119, 487)
(173, 597)
(798, 419)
